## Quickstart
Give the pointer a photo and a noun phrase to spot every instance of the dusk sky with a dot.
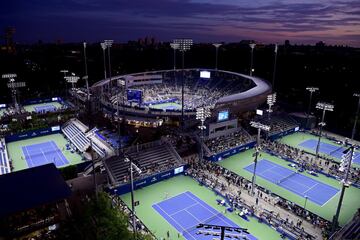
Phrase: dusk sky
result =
(268, 21)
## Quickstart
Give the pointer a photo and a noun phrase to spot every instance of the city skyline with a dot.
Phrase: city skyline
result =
(301, 21)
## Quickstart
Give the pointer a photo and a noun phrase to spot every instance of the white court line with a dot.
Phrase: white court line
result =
(192, 205)
(57, 153)
(331, 198)
(32, 163)
(184, 230)
(170, 198)
(46, 159)
(304, 193)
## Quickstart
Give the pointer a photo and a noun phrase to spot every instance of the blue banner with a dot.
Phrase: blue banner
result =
(230, 152)
(148, 181)
(32, 134)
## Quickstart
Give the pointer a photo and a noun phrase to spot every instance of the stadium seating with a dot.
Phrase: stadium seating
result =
(79, 138)
(279, 123)
(4, 160)
(226, 142)
(151, 158)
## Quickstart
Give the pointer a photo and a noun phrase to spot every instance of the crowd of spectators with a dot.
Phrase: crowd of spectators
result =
(212, 174)
(226, 142)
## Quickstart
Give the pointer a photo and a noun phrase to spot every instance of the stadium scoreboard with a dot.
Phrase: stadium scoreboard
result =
(205, 74)
(223, 115)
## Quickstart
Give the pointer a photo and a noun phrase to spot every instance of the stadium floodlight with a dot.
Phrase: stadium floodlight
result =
(259, 126)
(174, 46)
(252, 46)
(132, 167)
(72, 79)
(103, 47)
(271, 100)
(311, 90)
(86, 77)
(184, 45)
(324, 107)
(108, 44)
(356, 115)
(274, 70)
(202, 114)
(347, 158)
(217, 46)
(13, 86)
(89, 136)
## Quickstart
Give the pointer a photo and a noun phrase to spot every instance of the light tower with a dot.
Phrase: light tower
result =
(324, 107)
(65, 71)
(86, 77)
(252, 46)
(356, 116)
(274, 71)
(174, 46)
(202, 114)
(108, 44)
(345, 167)
(271, 100)
(138, 170)
(259, 127)
(72, 79)
(311, 90)
(217, 46)
(103, 47)
(13, 86)
(184, 45)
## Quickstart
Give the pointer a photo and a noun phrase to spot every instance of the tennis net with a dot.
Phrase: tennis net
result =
(287, 177)
(187, 230)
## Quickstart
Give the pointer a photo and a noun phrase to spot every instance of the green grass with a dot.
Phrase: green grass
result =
(166, 105)
(31, 108)
(351, 202)
(296, 138)
(159, 226)
(18, 158)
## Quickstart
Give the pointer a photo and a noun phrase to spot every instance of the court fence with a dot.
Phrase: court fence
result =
(32, 134)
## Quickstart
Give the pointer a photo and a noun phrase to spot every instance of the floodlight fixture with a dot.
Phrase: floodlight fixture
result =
(325, 106)
(312, 89)
(252, 46)
(260, 126)
(9, 75)
(184, 44)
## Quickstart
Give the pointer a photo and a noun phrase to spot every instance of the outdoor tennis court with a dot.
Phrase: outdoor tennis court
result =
(297, 183)
(185, 211)
(43, 153)
(166, 106)
(328, 149)
(45, 108)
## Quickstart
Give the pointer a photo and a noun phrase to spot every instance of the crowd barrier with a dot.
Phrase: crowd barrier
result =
(32, 133)
(148, 180)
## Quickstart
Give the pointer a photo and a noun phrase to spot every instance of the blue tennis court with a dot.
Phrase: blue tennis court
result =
(43, 153)
(329, 149)
(45, 108)
(295, 182)
(185, 211)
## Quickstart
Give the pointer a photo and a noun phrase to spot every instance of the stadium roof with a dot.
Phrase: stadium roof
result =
(30, 188)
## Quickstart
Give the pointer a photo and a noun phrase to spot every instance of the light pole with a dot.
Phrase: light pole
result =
(356, 116)
(345, 166)
(184, 45)
(132, 166)
(216, 45)
(271, 100)
(108, 44)
(259, 127)
(13, 86)
(202, 114)
(103, 47)
(86, 77)
(274, 72)
(252, 46)
(64, 71)
(306, 198)
(324, 107)
(89, 136)
(311, 90)
(174, 46)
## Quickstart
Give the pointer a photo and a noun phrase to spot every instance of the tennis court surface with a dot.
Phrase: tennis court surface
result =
(185, 211)
(43, 153)
(45, 108)
(315, 191)
(328, 149)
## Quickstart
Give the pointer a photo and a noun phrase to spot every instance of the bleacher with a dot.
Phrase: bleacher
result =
(4, 160)
(226, 142)
(78, 137)
(278, 123)
(151, 158)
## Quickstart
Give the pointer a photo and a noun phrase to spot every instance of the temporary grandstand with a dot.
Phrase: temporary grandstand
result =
(4, 159)
(151, 158)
